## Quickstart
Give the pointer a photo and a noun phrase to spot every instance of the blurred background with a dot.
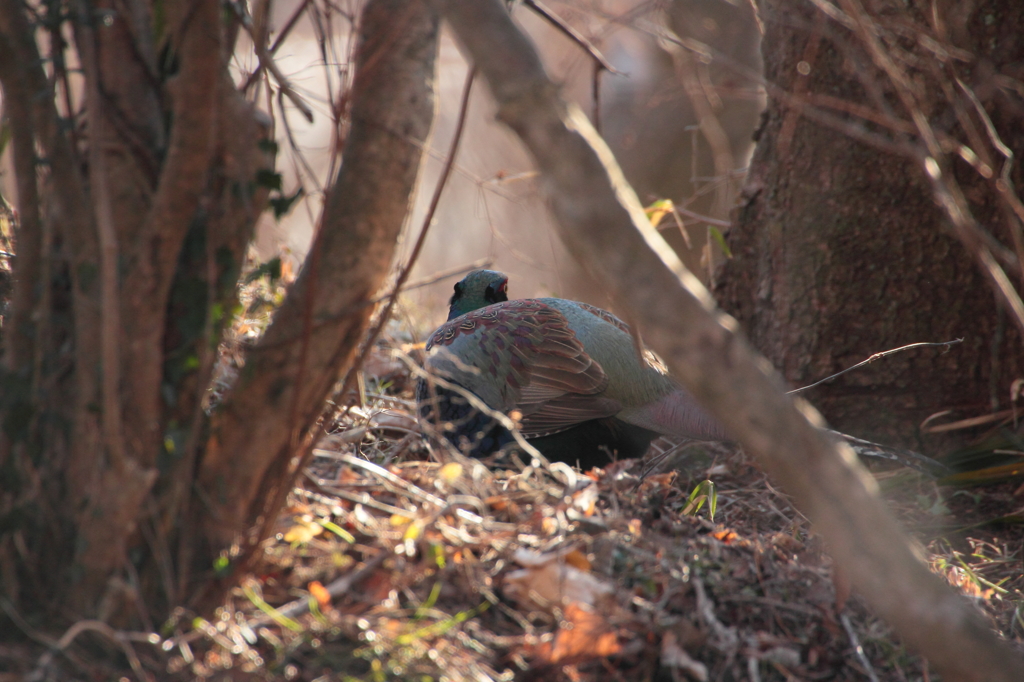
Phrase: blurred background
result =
(679, 115)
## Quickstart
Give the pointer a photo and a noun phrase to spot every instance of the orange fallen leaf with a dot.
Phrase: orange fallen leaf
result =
(725, 536)
(320, 593)
(582, 635)
(578, 559)
(497, 502)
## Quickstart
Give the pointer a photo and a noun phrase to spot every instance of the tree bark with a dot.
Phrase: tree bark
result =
(159, 156)
(317, 331)
(840, 249)
(595, 208)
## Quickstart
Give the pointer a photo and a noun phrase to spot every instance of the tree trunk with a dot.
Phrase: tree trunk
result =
(134, 228)
(839, 247)
(317, 331)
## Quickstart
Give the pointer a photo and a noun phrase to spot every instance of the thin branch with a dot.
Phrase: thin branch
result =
(548, 15)
(700, 217)
(948, 193)
(305, 445)
(428, 220)
(19, 337)
(879, 356)
(336, 588)
(267, 62)
(110, 289)
(191, 145)
(858, 649)
(91, 626)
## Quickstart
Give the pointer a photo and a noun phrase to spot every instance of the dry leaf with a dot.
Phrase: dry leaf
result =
(320, 593)
(397, 520)
(577, 559)
(586, 500)
(656, 482)
(583, 635)
(725, 536)
(549, 581)
(302, 532)
(450, 472)
(498, 502)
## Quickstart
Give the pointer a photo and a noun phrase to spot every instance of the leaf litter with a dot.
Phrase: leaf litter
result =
(400, 560)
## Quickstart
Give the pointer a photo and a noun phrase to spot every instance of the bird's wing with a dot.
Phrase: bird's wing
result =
(565, 412)
(522, 355)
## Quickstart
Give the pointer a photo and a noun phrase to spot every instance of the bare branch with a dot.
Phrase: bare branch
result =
(196, 36)
(392, 111)
(110, 297)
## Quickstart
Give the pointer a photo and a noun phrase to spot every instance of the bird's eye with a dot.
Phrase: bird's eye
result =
(495, 293)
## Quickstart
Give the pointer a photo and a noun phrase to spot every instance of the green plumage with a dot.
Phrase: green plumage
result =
(569, 370)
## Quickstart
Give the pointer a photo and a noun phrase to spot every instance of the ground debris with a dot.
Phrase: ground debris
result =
(396, 562)
(396, 559)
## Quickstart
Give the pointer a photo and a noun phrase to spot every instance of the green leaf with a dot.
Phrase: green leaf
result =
(221, 566)
(705, 491)
(658, 210)
(719, 238)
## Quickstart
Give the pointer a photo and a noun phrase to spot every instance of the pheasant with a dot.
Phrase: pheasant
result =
(569, 372)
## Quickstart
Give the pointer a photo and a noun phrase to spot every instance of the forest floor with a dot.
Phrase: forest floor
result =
(398, 560)
(395, 561)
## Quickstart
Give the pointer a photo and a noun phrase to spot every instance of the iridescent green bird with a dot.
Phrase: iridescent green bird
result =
(568, 370)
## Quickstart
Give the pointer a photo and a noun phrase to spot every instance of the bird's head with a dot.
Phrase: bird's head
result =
(478, 289)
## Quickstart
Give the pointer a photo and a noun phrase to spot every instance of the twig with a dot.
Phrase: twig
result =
(948, 194)
(111, 634)
(702, 218)
(858, 649)
(335, 589)
(548, 15)
(46, 660)
(267, 62)
(403, 275)
(877, 356)
(285, 30)
(600, 63)
(725, 638)
(914, 460)
(964, 423)
(480, 405)
(443, 504)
